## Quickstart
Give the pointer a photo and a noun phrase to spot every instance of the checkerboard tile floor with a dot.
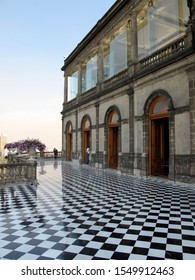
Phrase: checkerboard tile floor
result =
(81, 213)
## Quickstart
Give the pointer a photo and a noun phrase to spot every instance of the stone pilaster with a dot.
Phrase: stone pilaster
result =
(172, 158)
(131, 127)
(97, 132)
(79, 79)
(144, 162)
(131, 121)
(191, 76)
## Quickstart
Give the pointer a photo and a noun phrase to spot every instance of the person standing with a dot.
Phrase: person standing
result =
(55, 151)
(87, 155)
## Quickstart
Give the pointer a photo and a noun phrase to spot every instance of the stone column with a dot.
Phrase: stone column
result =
(100, 66)
(132, 44)
(79, 79)
(129, 31)
(134, 37)
(63, 138)
(65, 88)
(191, 75)
(63, 114)
(97, 134)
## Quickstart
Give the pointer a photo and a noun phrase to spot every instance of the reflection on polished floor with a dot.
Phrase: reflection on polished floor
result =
(81, 213)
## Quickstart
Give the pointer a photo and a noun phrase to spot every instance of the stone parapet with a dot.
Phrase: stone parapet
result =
(18, 169)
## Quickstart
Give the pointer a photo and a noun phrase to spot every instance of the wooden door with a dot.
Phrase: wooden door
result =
(69, 146)
(69, 141)
(159, 146)
(113, 147)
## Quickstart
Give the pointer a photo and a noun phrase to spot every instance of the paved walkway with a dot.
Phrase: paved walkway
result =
(83, 213)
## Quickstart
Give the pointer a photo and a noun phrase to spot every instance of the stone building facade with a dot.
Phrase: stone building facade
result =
(129, 91)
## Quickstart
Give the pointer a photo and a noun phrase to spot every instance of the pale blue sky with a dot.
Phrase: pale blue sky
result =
(35, 36)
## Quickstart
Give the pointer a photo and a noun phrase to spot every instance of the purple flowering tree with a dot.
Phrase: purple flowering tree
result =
(10, 146)
(26, 145)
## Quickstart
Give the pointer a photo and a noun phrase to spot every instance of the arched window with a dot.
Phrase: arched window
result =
(86, 124)
(159, 108)
(69, 128)
(113, 118)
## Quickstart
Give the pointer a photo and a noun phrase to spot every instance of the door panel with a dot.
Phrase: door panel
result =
(113, 147)
(69, 146)
(159, 147)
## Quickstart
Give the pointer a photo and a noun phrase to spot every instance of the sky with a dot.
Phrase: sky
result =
(35, 37)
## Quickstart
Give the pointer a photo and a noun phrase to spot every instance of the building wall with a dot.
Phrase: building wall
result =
(174, 81)
(168, 73)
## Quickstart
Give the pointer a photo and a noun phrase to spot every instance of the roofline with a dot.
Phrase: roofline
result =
(119, 4)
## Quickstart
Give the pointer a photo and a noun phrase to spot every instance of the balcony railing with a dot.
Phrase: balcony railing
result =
(120, 77)
(18, 169)
(171, 52)
(48, 155)
(174, 48)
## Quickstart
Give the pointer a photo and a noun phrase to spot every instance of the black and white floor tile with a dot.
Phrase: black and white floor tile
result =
(81, 213)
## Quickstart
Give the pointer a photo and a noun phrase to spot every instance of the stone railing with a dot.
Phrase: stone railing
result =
(180, 45)
(18, 169)
(114, 79)
(48, 154)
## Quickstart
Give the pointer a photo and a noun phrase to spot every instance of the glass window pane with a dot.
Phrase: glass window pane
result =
(114, 118)
(115, 54)
(69, 128)
(160, 107)
(168, 20)
(143, 34)
(72, 86)
(107, 63)
(159, 23)
(89, 74)
(87, 124)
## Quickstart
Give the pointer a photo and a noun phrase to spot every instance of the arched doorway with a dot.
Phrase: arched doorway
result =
(159, 137)
(86, 137)
(69, 141)
(113, 139)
